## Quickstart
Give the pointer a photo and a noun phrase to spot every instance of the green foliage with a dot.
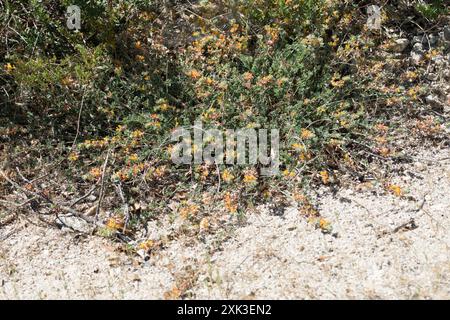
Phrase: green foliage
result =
(139, 69)
(434, 9)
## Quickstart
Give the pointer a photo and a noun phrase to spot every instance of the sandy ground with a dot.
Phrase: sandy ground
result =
(381, 246)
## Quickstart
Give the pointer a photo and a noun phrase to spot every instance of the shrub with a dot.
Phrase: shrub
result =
(139, 69)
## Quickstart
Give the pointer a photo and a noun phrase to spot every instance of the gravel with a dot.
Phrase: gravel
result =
(381, 247)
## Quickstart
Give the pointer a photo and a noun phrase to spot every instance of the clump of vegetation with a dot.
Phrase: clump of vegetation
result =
(97, 107)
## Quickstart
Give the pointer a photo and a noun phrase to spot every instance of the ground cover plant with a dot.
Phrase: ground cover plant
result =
(88, 114)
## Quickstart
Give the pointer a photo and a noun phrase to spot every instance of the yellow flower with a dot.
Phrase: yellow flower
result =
(9, 68)
(67, 81)
(337, 83)
(160, 171)
(120, 128)
(137, 134)
(306, 134)
(325, 176)
(204, 224)
(304, 156)
(227, 176)
(234, 28)
(138, 45)
(140, 58)
(411, 75)
(413, 93)
(147, 245)
(289, 173)
(155, 124)
(133, 158)
(164, 106)
(250, 178)
(298, 147)
(73, 157)
(395, 189)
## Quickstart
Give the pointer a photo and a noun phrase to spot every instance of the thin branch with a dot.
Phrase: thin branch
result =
(125, 205)
(78, 121)
(84, 196)
(102, 188)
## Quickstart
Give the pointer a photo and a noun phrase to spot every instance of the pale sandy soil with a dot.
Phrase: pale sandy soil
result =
(381, 246)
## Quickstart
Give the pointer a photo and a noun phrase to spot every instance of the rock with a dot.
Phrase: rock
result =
(91, 211)
(75, 223)
(433, 40)
(432, 76)
(439, 60)
(400, 45)
(419, 166)
(433, 100)
(91, 198)
(416, 58)
(135, 278)
(447, 33)
(418, 47)
(417, 39)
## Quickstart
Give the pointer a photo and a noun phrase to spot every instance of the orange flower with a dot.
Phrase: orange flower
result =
(382, 128)
(230, 203)
(307, 134)
(209, 81)
(95, 172)
(188, 210)
(396, 190)
(115, 224)
(384, 151)
(248, 76)
(173, 294)
(265, 80)
(194, 74)
(324, 225)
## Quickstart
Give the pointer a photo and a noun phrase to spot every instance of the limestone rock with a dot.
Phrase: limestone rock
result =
(416, 58)
(400, 45)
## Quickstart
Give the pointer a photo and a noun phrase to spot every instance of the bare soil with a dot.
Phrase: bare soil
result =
(380, 246)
